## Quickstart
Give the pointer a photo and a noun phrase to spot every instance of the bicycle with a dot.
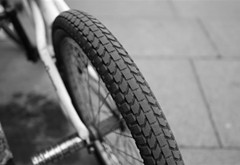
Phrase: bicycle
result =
(101, 90)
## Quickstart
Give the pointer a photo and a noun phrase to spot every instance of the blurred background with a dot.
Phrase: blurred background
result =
(189, 52)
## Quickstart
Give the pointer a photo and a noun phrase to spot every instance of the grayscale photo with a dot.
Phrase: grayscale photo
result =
(119, 82)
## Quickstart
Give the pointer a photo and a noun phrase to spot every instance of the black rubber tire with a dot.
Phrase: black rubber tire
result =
(126, 84)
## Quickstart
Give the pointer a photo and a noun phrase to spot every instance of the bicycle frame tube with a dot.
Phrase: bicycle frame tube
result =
(51, 10)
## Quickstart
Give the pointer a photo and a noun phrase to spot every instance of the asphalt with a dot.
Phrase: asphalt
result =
(187, 50)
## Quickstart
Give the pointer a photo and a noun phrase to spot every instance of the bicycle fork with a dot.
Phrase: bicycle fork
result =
(82, 137)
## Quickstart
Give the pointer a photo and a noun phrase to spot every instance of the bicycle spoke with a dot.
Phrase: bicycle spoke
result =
(122, 152)
(127, 144)
(121, 134)
(98, 98)
(100, 104)
(100, 107)
(89, 93)
(115, 145)
(101, 94)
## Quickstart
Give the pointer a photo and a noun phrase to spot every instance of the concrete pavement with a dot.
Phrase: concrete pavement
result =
(189, 53)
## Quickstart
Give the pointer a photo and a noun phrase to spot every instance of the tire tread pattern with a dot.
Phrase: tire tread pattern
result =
(127, 86)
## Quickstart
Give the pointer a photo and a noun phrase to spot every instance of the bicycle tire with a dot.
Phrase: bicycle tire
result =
(125, 83)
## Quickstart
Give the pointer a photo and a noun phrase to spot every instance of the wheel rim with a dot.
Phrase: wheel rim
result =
(90, 95)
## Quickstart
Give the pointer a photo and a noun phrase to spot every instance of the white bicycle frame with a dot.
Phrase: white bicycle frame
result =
(44, 12)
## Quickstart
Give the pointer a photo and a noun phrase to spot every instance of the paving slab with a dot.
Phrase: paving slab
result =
(125, 8)
(209, 156)
(150, 27)
(175, 87)
(226, 36)
(208, 9)
(19, 75)
(156, 37)
(221, 83)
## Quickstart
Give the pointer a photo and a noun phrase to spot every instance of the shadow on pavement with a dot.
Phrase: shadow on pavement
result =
(32, 122)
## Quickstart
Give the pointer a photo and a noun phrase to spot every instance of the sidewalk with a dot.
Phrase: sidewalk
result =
(189, 53)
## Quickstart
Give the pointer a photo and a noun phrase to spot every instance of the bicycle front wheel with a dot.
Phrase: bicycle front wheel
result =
(109, 93)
